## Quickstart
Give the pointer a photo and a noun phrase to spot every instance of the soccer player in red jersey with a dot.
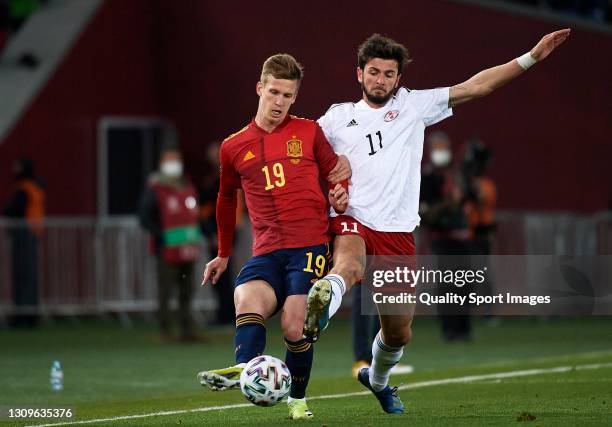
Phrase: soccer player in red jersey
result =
(278, 161)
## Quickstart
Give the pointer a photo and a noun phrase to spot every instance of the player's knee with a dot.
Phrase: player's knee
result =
(351, 269)
(293, 331)
(239, 302)
(248, 303)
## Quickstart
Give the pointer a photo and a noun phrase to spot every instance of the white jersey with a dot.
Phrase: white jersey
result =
(385, 147)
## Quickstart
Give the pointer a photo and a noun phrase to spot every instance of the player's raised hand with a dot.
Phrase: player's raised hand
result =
(338, 198)
(214, 269)
(341, 171)
(548, 43)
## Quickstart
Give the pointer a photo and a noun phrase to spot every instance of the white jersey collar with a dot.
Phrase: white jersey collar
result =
(364, 105)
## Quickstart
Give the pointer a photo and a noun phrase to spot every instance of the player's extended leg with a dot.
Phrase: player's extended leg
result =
(325, 296)
(255, 301)
(298, 356)
(387, 350)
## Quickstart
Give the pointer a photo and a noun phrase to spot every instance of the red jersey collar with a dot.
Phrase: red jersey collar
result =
(257, 129)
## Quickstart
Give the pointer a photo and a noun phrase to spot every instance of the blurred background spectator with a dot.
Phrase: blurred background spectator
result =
(28, 204)
(443, 214)
(480, 195)
(169, 212)
(480, 201)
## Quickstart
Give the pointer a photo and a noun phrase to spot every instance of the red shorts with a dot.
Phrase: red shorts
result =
(377, 242)
(385, 250)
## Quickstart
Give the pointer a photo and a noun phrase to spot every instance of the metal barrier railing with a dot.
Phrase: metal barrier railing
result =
(82, 266)
(553, 234)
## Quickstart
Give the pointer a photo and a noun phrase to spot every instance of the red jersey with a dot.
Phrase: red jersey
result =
(279, 174)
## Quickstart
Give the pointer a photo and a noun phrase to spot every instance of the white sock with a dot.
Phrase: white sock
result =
(384, 358)
(291, 399)
(338, 288)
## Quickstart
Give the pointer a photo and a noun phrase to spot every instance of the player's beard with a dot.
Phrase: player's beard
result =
(378, 100)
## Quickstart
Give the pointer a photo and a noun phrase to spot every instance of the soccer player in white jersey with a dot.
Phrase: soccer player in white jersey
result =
(382, 136)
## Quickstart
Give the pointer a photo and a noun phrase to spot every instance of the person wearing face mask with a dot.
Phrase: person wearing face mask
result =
(169, 212)
(442, 209)
(481, 195)
(27, 203)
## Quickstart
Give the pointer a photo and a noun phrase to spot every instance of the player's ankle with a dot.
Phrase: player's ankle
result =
(376, 386)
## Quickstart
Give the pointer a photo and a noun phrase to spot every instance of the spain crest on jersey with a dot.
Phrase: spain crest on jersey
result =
(294, 149)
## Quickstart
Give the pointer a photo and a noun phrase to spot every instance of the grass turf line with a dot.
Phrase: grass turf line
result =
(112, 372)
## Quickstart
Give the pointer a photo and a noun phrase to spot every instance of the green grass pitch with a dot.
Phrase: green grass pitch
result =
(113, 373)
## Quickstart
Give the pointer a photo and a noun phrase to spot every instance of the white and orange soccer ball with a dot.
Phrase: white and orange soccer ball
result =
(265, 381)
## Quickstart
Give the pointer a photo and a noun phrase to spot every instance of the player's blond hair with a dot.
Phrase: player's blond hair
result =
(282, 66)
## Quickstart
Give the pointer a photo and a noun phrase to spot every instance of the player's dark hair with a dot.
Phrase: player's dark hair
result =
(282, 66)
(377, 46)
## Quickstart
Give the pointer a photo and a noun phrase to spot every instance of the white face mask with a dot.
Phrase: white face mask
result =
(172, 168)
(441, 158)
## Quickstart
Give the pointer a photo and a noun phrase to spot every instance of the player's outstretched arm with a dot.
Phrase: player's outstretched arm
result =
(490, 79)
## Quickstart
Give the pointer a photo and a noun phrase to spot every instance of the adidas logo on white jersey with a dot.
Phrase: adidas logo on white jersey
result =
(352, 123)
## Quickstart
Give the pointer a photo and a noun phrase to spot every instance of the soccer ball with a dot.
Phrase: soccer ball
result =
(265, 381)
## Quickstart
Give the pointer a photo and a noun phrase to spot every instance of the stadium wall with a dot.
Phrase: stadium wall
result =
(197, 63)
(110, 70)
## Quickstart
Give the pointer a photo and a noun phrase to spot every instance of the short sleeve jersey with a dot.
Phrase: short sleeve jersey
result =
(385, 148)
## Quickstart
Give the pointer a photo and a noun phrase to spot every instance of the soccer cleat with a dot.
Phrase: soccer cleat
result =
(298, 410)
(221, 379)
(388, 398)
(358, 365)
(317, 309)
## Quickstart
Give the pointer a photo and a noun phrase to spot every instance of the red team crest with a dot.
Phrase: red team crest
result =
(294, 149)
(391, 115)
